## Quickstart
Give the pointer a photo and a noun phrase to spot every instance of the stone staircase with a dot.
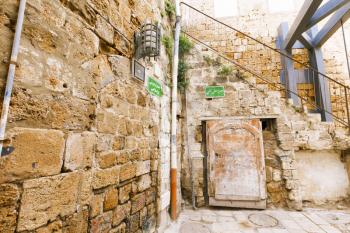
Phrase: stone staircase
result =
(294, 128)
(264, 63)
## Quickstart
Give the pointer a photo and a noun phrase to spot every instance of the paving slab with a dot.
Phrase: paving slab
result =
(268, 221)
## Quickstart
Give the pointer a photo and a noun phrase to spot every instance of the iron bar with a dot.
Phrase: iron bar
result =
(262, 43)
(347, 108)
(345, 46)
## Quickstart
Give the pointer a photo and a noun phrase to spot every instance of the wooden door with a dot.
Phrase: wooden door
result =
(236, 166)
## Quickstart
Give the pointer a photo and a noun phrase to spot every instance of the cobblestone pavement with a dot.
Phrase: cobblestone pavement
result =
(268, 221)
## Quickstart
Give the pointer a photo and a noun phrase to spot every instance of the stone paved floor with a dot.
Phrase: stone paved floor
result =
(268, 221)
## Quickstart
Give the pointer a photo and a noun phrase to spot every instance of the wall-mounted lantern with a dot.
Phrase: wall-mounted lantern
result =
(147, 41)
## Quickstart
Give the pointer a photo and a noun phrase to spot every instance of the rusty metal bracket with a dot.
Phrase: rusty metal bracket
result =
(14, 63)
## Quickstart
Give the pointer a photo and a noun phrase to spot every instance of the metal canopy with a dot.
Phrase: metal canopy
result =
(332, 25)
(310, 15)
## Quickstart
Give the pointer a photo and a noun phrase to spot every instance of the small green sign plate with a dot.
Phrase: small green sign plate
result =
(154, 87)
(214, 92)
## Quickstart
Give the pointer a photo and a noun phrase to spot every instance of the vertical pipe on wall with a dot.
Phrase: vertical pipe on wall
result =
(11, 72)
(173, 170)
(345, 46)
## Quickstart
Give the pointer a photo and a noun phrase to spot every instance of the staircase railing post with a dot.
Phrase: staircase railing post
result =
(347, 107)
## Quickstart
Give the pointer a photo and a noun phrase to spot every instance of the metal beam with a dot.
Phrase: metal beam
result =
(307, 11)
(332, 25)
(289, 74)
(306, 40)
(321, 85)
(326, 10)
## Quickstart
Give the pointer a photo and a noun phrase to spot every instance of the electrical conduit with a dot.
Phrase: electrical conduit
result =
(11, 72)
(173, 167)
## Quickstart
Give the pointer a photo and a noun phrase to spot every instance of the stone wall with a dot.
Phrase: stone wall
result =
(323, 176)
(91, 145)
(294, 130)
(259, 20)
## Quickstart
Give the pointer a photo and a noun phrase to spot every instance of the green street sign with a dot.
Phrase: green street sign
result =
(154, 87)
(214, 92)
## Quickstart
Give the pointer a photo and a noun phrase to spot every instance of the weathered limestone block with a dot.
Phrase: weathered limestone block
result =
(9, 194)
(104, 142)
(104, 30)
(105, 177)
(85, 188)
(56, 111)
(77, 222)
(288, 164)
(120, 66)
(151, 209)
(294, 195)
(275, 198)
(88, 42)
(292, 184)
(151, 195)
(79, 151)
(102, 223)
(8, 218)
(295, 204)
(276, 175)
(269, 172)
(46, 198)
(124, 157)
(120, 213)
(55, 226)
(127, 171)
(107, 122)
(119, 143)
(143, 217)
(101, 6)
(131, 143)
(320, 140)
(96, 205)
(37, 153)
(144, 182)
(134, 222)
(107, 159)
(143, 167)
(99, 68)
(124, 193)
(138, 202)
(111, 199)
(120, 229)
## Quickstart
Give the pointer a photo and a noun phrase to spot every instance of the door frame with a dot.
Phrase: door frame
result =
(249, 204)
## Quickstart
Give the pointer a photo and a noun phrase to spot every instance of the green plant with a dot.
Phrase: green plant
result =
(169, 8)
(182, 70)
(225, 71)
(240, 75)
(168, 44)
(212, 62)
(185, 46)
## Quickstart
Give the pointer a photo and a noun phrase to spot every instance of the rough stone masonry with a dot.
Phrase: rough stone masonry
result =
(90, 143)
(92, 146)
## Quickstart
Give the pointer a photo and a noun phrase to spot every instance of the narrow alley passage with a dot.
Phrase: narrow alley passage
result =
(268, 221)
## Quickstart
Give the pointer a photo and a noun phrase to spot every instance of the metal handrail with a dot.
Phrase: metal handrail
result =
(277, 85)
(344, 89)
(262, 43)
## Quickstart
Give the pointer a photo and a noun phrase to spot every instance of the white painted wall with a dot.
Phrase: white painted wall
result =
(322, 175)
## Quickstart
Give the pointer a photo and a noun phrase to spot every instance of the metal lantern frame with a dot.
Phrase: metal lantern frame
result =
(147, 41)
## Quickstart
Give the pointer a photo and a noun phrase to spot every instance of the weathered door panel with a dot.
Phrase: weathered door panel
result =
(236, 174)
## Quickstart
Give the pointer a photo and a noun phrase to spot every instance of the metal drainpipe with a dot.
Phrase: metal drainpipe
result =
(11, 72)
(173, 170)
(345, 47)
